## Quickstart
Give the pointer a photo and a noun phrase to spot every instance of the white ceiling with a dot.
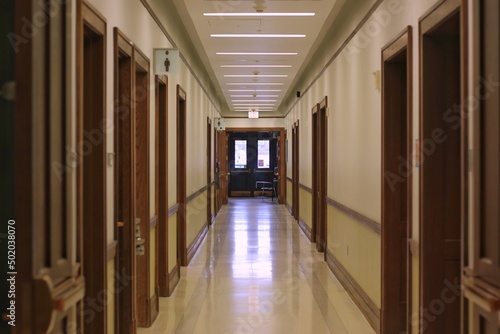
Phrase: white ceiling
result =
(241, 90)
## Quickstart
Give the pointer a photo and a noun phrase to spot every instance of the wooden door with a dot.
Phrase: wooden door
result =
(162, 184)
(209, 171)
(181, 177)
(146, 298)
(319, 162)
(441, 181)
(44, 226)
(92, 176)
(295, 171)
(124, 184)
(482, 278)
(7, 147)
(397, 167)
(221, 177)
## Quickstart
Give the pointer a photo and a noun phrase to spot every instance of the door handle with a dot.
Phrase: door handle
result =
(48, 301)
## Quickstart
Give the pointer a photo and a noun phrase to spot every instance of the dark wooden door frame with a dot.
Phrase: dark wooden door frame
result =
(47, 266)
(216, 173)
(209, 171)
(281, 157)
(92, 170)
(147, 305)
(482, 276)
(314, 162)
(162, 184)
(319, 173)
(222, 186)
(445, 167)
(125, 319)
(24, 182)
(295, 170)
(397, 143)
(181, 101)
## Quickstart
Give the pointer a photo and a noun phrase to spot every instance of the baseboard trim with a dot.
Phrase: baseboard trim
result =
(173, 279)
(288, 207)
(358, 295)
(196, 243)
(153, 308)
(303, 226)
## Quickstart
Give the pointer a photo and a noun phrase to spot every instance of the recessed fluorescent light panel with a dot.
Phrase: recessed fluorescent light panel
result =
(258, 35)
(254, 90)
(256, 95)
(256, 66)
(267, 14)
(237, 101)
(255, 76)
(254, 104)
(257, 53)
(255, 84)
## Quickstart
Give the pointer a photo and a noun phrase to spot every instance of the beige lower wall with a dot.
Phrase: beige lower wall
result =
(358, 249)
(111, 296)
(289, 192)
(196, 213)
(172, 242)
(415, 293)
(212, 194)
(152, 261)
(305, 207)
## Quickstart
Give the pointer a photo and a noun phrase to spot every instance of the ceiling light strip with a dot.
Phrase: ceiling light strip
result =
(257, 53)
(267, 14)
(256, 95)
(255, 105)
(255, 84)
(238, 101)
(256, 66)
(258, 35)
(255, 76)
(254, 90)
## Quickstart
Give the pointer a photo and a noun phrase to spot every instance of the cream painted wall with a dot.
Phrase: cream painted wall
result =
(305, 207)
(134, 20)
(111, 295)
(254, 122)
(357, 249)
(196, 217)
(354, 132)
(152, 261)
(146, 34)
(354, 122)
(415, 293)
(172, 242)
(289, 188)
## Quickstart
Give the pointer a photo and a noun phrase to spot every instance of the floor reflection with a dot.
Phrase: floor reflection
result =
(257, 273)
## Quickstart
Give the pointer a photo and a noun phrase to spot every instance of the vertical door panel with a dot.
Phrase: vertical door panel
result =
(482, 280)
(50, 283)
(441, 184)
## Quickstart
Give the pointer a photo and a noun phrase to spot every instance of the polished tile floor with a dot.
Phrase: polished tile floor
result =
(257, 273)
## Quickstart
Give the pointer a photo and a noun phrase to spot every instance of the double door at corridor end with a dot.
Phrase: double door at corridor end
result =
(252, 162)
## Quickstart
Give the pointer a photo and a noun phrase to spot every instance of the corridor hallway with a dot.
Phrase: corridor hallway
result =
(256, 272)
